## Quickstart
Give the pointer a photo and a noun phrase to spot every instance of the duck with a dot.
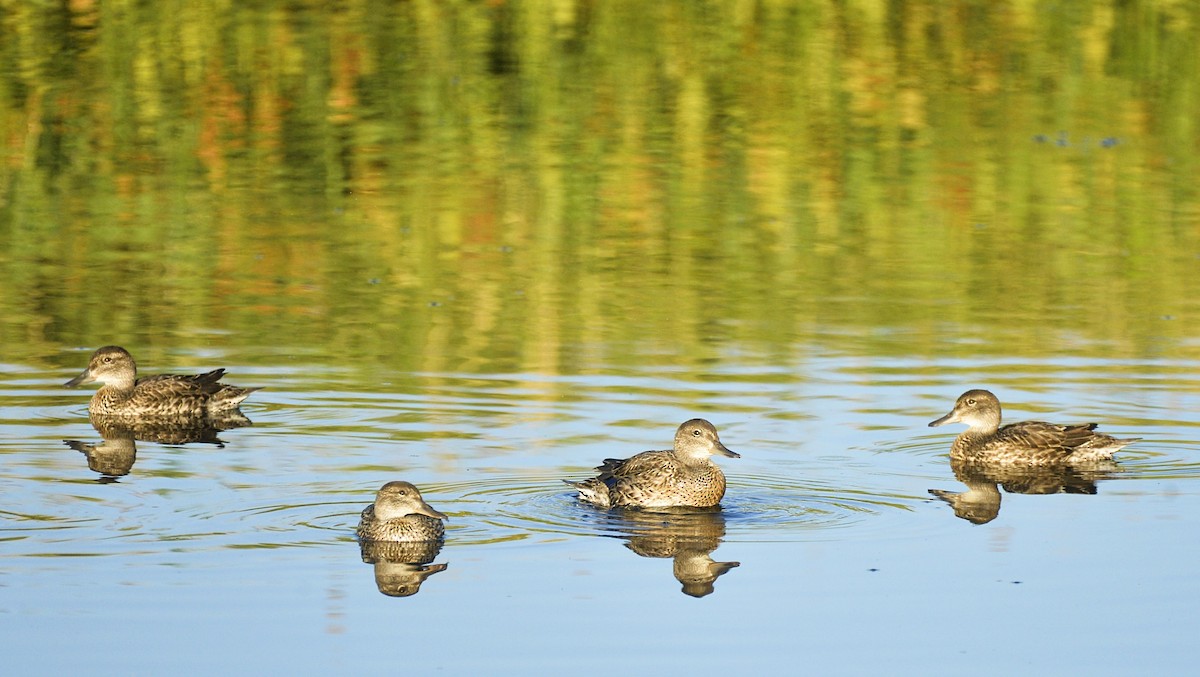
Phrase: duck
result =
(122, 393)
(400, 514)
(683, 476)
(1033, 443)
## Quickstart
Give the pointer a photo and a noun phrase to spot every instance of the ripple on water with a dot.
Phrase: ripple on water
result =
(1156, 459)
(775, 509)
(513, 507)
(509, 507)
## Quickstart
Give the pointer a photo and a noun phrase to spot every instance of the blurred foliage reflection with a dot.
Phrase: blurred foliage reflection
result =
(548, 186)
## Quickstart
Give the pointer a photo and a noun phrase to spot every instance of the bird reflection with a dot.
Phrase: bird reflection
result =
(113, 457)
(401, 567)
(688, 535)
(980, 503)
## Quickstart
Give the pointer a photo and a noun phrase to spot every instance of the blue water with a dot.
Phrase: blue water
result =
(240, 556)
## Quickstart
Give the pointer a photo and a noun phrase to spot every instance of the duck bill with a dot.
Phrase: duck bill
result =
(85, 377)
(948, 418)
(724, 451)
(428, 511)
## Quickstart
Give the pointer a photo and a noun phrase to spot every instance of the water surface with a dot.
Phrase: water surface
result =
(483, 247)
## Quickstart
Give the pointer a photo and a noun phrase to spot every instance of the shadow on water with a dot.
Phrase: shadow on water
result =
(115, 454)
(401, 568)
(980, 503)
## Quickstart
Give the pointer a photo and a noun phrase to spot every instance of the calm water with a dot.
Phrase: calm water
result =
(248, 544)
(484, 247)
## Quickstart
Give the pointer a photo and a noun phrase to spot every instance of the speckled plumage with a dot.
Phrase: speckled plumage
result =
(122, 393)
(1027, 442)
(683, 476)
(400, 514)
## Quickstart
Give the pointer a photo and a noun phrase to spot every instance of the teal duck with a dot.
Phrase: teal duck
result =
(400, 514)
(122, 393)
(683, 476)
(1027, 442)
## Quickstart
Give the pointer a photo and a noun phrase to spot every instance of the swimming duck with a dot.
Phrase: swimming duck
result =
(122, 393)
(683, 476)
(400, 514)
(1027, 442)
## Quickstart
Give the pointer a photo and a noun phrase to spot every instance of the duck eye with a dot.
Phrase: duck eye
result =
(696, 432)
(971, 402)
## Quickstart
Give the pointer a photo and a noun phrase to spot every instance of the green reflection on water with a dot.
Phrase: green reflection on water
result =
(552, 186)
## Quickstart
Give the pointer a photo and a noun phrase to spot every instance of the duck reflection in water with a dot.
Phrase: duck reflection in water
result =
(687, 535)
(114, 456)
(401, 568)
(980, 503)
(401, 534)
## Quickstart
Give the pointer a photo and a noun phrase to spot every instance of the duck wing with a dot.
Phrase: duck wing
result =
(1042, 435)
(182, 384)
(645, 463)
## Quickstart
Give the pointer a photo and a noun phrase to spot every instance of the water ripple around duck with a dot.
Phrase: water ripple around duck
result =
(513, 507)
